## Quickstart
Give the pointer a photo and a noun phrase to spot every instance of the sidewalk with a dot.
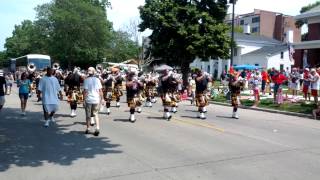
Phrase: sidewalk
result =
(265, 110)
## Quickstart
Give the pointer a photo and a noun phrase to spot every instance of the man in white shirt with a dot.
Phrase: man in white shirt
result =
(49, 88)
(315, 84)
(92, 97)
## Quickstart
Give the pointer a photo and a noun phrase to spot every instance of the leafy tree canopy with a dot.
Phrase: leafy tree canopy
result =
(185, 29)
(300, 23)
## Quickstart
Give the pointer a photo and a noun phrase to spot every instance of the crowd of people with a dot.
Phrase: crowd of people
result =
(297, 81)
(96, 89)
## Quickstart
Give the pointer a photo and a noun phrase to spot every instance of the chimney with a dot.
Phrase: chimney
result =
(246, 29)
(289, 36)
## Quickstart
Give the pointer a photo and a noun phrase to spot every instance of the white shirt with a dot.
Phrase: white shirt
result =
(315, 84)
(92, 85)
(49, 87)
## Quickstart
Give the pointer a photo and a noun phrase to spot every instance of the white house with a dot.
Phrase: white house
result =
(251, 49)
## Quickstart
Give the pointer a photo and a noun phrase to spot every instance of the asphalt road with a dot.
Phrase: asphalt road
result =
(259, 145)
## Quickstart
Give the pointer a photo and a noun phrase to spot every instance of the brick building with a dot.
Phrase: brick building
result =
(307, 53)
(270, 24)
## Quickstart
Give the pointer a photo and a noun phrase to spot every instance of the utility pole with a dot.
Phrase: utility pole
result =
(232, 32)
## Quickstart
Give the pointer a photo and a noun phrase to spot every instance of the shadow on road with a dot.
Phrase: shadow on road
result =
(25, 142)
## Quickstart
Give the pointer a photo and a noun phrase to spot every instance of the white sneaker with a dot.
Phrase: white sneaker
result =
(235, 115)
(167, 116)
(108, 111)
(118, 104)
(92, 121)
(204, 109)
(202, 115)
(73, 113)
(174, 109)
(47, 123)
(132, 119)
(139, 110)
(153, 100)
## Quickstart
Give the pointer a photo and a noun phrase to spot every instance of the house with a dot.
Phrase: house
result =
(252, 50)
(267, 23)
(307, 53)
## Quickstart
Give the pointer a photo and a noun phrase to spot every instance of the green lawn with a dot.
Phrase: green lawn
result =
(268, 103)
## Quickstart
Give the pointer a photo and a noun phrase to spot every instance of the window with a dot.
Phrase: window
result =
(235, 51)
(256, 19)
(281, 55)
(242, 22)
(281, 67)
(256, 64)
(255, 29)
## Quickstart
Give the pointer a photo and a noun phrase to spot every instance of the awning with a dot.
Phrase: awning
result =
(307, 45)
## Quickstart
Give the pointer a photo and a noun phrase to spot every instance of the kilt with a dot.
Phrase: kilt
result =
(201, 100)
(107, 94)
(117, 93)
(133, 102)
(234, 99)
(166, 99)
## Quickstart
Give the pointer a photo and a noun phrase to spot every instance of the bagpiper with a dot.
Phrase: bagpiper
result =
(117, 91)
(167, 86)
(150, 84)
(235, 87)
(74, 94)
(202, 80)
(107, 82)
(132, 87)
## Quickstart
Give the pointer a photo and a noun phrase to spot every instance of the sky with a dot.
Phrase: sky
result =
(12, 12)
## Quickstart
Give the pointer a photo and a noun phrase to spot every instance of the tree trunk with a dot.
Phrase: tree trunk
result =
(185, 70)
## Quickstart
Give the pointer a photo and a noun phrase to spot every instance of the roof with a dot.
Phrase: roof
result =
(314, 12)
(255, 39)
(268, 50)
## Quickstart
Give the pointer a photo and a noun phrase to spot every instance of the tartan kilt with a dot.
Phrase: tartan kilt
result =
(107, 94)
(149, 91)
(133, 102)
(234, 99)
(117, 93)
(166, 99)
(201, 100)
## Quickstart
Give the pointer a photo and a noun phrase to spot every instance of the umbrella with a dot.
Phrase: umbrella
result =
(163, 67)
(246, 66)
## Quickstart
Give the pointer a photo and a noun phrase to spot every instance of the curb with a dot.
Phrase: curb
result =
(265, 110)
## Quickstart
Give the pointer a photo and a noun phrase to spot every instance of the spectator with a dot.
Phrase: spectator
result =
(314, 85)
(49, 88)
(2, 91)
(278, 80)
(294, 82)
(24, 85)
(264, 79)
(306, 84)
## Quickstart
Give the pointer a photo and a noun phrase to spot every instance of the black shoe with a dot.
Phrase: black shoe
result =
(169, 118)
(96, 132)
(87, 131)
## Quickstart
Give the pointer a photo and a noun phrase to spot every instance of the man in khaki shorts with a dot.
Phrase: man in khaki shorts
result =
(92, 97)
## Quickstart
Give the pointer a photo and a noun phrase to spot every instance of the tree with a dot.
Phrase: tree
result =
(300, 23)
(78, 29)
(185, 29)
(122, 47)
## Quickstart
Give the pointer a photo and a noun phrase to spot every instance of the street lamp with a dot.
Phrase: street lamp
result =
(233, 2)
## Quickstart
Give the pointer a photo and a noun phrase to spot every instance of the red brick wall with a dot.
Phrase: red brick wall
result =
(298, 58)
(314, 57)
(267, 23)
(314, 32)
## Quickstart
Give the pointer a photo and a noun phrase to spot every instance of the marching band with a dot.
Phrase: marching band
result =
(140, 89)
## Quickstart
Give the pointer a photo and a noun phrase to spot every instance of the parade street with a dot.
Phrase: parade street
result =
(259, 145)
